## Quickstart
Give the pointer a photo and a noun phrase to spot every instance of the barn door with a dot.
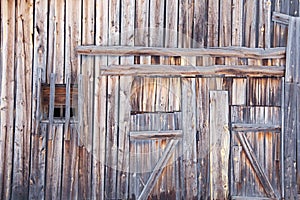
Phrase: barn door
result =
(155, 137)
(255, 152)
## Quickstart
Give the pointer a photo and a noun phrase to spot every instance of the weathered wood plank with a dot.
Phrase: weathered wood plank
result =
(290, 117)
(237, 23)
(202, 102)
(213, 24)
(70, 164)
(54, 162)
(225, 23)
(158, 169)
(255, 127)
(250, 17)
(99, 126)
(219, 144)
(291, 50)
(173, 70)
(56, 33)
(38, 164)
(127, 39)
(72, 37)
(188, 103)
(150, 135)
(241, 52)
(8, 31)
(23, 84)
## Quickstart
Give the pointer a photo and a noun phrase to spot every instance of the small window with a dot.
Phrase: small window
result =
(59, 109)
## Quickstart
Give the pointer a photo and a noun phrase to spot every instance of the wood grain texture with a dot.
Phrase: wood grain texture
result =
(8, 31)
(23, 75)
(219, 144)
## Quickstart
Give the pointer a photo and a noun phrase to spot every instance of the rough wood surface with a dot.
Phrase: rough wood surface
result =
(241, 52)
(212, 71)
(143, 135)
(219, 144)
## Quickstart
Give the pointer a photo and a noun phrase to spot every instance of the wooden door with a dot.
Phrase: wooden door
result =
(255, 152)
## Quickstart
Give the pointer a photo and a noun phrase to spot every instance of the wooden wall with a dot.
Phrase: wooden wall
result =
(38, 38)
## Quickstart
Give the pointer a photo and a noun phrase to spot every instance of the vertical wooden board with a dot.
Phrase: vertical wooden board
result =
(237, 22)
(24, 30)
(111, 139)
(127, 39)
(202, 103)
(239, 91)
(70, 165)
(56, 38)
(297, 57)
(141, 23)
(264, 24)
(290, 116)
(99, 126)
(171, 26)
(38, 164)
(291, 51)
(40, 38)
(213, 23)
(188, 103)
(132, 162)
(156, 24)
(87, 64)
(298, 136)
(72, 37)
(7, 96)
(54, 162)
(174, 103)
(185, 23)
(162, 94)
(219, 144)
(250, 15)
(225, 23)
(200, 23)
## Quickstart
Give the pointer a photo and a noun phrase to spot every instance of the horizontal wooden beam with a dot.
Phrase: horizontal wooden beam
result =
(241, 52)
(281, 18)
(211, 71)
(151, 135)
(255, 127)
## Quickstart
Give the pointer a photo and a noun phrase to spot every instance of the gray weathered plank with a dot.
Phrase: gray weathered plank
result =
(241, 52)
(188, 103)
(290, 117)
(38, 164)
(147, 135)
(54, 162)
(219, 144)
(174, 70)
(255, 127)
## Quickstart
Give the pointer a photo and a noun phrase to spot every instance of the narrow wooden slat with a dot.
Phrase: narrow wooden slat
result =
(237, 23)
(213, 24)
(241, 52)
(200, 23)
(298, 136)
(225, 23)
(68, 106)
(250, 17)
(297, 56)
(158, 169)
(23, 86)
(54, 163)
(188, 103)
(51, 98)
(202, 95)
(250, 198)
(72, 37)
(255, 127)
(56, 33)
(153, 135)
(172, 70)
(99, 126)
(291, 52)
(70, 164)
(256, 165)
(219, 144)
(127, 39)
(38, 164)
(290, 117)
(236, 155)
